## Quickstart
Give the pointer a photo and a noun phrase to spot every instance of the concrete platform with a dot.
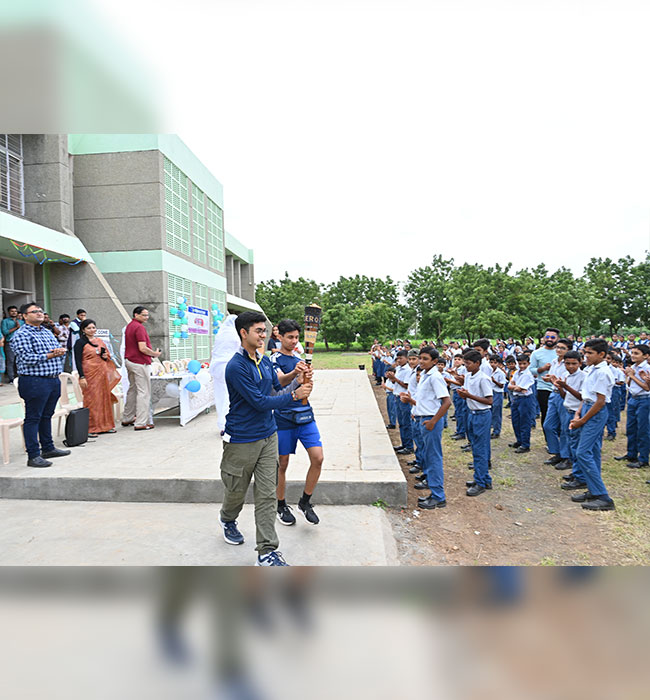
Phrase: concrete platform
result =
(181, 465)
(63, 533)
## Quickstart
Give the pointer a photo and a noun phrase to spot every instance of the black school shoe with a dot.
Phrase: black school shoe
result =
(415, 469)
(421, 485)
(458, 436)
(553, 459)
(466, 448)
(431, 503)
(564, 464)
(631, 465)
(308, 511)
(390, 426)
(473, 483)
(573, 485)
(599, 504)
(521, 449)
(610, 438)
(475, 490)
(514, 444)
(583, 497)
(625, 457)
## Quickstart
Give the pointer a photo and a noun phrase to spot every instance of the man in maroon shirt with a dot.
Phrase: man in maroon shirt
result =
(137, 358)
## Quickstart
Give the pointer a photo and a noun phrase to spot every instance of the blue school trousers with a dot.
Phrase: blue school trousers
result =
(574, 439)
(417, 441)
(432, 464)
(537, 411)
(478, 433)
(497, 412)
(404, 418)
(557, 440)
(523, 415)
(460, 409)
(614, 411)
(588, 449)
(391, 409)
(638, 427)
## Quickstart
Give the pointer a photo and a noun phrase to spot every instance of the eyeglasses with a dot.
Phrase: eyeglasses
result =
(550, 337)
(35, 311)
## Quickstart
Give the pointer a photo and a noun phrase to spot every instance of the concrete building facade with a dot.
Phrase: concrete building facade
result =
(142, 215)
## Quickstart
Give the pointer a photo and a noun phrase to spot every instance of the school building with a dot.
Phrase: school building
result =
(109, 221)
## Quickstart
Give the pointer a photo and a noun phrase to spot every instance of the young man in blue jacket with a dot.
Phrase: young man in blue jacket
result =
(250, 438)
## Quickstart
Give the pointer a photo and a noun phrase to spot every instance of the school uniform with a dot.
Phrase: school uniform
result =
(417, 438)
(460, 407)
(523, 407)
(479, 421)
(556, 441)
(403, 409)
(598, 380)
(432, 388)
(486, 367)
(497, 400)
(614, 406)
(638, 412)
(391, 408)
(571, 405)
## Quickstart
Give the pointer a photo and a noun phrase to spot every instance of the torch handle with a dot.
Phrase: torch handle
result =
(308, 361)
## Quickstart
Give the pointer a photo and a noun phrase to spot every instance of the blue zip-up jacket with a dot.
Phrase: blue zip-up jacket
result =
(254, 391)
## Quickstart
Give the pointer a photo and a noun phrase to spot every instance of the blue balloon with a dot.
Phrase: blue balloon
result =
(215, 331)
(193, 366)
(194, 385)
(184, 334)
(181, 313)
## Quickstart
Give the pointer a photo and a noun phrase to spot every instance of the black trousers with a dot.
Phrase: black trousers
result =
(542, 400)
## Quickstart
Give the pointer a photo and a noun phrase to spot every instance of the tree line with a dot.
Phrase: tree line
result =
(444, 300)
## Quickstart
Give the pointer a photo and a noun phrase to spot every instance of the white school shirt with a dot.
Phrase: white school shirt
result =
(575, 381)
(499, 376)
(486, 367)
(634, 388)
(413, 389)
(478, 384)
(431, 390)
(388, 385)
(618, 374)
(403, 374)
(598, 380)
(525, 380)
(559, 370)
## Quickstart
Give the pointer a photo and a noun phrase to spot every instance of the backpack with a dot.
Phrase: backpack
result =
(76, 427)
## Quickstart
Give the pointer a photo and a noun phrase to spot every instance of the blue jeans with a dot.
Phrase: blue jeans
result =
(40, 395)
(391, 408)
(638, 427)
(478, 432)
(432, 465)
(497, 412)
(590, 442)
(460, 409)
(556, 440)
(404, 417)
(537, 411)
(523, 415)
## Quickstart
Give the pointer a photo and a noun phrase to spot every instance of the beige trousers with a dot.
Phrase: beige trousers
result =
(138, 397)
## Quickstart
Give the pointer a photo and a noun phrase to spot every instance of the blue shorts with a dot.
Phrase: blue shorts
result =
(307, 434)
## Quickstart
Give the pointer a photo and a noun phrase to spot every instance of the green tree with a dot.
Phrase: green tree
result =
(427, 293)
(287, 298)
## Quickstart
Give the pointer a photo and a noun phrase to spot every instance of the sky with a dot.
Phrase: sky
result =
(365, 137)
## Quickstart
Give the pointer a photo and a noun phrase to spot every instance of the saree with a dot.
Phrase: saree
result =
(101, 376)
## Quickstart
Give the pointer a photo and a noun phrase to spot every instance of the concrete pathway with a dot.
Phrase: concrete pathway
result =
(65, 533)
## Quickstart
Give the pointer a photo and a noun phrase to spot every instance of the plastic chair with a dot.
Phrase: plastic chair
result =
(59, 413)
(65, 379)
(6, 424)
(168, 366)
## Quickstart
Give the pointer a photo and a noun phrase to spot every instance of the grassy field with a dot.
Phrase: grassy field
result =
(342, 360)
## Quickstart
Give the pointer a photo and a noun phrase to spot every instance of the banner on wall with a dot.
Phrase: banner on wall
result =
(198, 320)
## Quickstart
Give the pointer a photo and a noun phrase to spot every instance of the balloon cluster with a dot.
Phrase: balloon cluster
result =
(217, 318)
(193, 367)
(178, 314)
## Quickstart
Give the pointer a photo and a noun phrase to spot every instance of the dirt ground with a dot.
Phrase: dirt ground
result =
(526, 519)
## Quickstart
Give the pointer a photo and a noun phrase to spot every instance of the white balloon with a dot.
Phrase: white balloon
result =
(184, 328)
(176, 341)
(172, 390)
(204, 377)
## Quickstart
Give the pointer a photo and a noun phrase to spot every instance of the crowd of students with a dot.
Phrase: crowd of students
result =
(577, 387)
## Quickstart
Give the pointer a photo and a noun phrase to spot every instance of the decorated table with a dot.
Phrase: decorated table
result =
(193, 392)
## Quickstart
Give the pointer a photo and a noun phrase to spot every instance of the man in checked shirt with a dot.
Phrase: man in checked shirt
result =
(39, 359)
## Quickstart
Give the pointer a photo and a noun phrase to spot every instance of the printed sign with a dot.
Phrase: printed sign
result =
(198, 320)
(105, 335)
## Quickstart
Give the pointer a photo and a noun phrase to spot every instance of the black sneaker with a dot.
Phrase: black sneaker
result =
(230, 532)
(274, 558)
(573, 485)
(583, 497)
(599, 504)
(308, 511)
(625, 457)
(285, 516)
(488, 487)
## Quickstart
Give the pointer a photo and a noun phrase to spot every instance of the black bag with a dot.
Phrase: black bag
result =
(76, 427)
(296, 416)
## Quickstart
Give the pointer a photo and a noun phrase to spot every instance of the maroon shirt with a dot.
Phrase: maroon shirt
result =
(134, 333)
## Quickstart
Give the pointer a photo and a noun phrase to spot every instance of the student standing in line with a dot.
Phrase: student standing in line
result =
(614, 406)
(590, 421)
(250, 438)
(521, 386)
(457, 379)
(498, 379)
(511, 368)
(477, 392)
(400, 379)
(391, 407)
(295, 423)
(638, 409)
(569, 387)
(482, 346)
(415, 464)
(557, 442)
(431, 403)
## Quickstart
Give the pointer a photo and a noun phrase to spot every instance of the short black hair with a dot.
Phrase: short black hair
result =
(614, 355)
(287, 325)
(643, 348)
(565, 341)
(246, 319)
(573, 355)
(402, 353)
(472, 356)
(600, 345)
(9, 308)
(494, 357)
(482, 343)
(523, 358)
(137, 310)
(553, 330)
(24, 307)
(511, 358)
(62, 316)
(431, 352)
(81, 311)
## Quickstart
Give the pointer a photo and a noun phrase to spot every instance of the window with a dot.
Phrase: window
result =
(177, 209)
(12, 190)
(198, 224)
(179, 287)
(215, 236)
(203, 341)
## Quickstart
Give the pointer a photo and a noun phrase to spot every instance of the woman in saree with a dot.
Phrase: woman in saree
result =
(97, 377)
